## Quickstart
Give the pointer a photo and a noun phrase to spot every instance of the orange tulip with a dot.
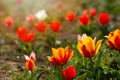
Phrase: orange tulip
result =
(41, 26)
(30, 65)
(25, 35)
(60, 56)
(86, 46)
(114, 39)
(84, 19)
(70, 16)
(55, 26)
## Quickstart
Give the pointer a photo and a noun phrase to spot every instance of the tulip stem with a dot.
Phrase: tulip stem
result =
(91, 63)
(31, 78)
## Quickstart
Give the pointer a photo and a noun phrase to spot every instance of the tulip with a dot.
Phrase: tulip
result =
(30, 65)
(25, 35)
(41, 26)
(19, 1)
(93, 12)
(41, 15)
(9, 21)
(70, 16)
(104, 18)
(30, 61)
(113, 39)
(60, 56)
(86, 46)
(85, 12)
(84, 20)
(60, 4)
(69, 73)
(30, 18)
(55, 26)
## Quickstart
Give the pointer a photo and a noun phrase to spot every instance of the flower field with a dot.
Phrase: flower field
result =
(60, 40)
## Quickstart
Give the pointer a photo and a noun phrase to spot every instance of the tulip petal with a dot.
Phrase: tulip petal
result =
(89, 44)
(79, 47)
(30, 65)
(117, 41)
(98, 46)
(85, 52)
(27, 57)
(54, 52)
(32, 56)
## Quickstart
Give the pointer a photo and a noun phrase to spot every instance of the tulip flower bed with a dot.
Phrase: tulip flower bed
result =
(59, 42)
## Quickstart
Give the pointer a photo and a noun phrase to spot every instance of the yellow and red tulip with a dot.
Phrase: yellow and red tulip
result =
(114, 39)
(60, 56)
(86, 46)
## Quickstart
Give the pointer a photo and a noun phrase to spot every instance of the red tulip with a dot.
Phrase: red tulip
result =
(93, 12)
(55, 26)
(85, 12)
(70, 16)
(9, 21)
(41, 26)
(19, 1)
(84, 20)
(104, 18)
(69, 73)
(30, 18)
(25, 35)
(60, 4)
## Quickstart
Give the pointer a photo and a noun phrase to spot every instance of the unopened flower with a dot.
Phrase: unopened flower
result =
(113, 39)
(86, 46)
(9, 21)
(60, 56)
(70, 16)
(69, 73)
(55, 26)
(41, 26)
(84, 19)
(104, 18)
(41, 15)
